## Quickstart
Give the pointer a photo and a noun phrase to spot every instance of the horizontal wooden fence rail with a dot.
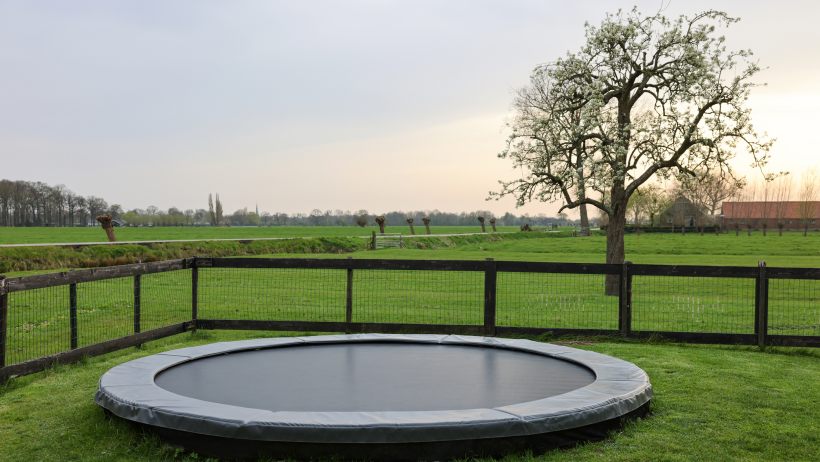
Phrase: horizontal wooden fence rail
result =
(349, 290)
(41, 281)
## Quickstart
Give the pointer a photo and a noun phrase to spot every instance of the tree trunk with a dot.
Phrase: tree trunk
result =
(780, 229)
(582, 193)
(615, 251)
(584, 220)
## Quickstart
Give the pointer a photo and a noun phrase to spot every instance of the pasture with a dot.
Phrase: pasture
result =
(791, 250)
(45, 235)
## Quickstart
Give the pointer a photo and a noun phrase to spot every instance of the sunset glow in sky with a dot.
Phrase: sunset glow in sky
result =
(378, 105)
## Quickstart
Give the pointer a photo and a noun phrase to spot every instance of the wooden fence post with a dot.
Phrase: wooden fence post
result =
(137, 302)
(4, 320)
(625, 300)
(349, 296)
(72, 314)
(194, 294)
(761, 305)
(490, 279)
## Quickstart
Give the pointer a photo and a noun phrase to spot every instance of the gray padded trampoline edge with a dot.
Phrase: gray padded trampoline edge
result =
(128, 391)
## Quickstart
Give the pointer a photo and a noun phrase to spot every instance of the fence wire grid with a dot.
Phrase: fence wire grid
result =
(40, 322)
(418, 297)
(559, 300)
(693, 304)
(272, 294)
(794, 307)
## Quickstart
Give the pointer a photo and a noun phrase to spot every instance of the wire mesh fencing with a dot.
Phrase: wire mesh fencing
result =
(418, 297)
(38, 323)
(65, 315)
(165, 299)
(105, 310)
(266, 294)
(555, 300)
(693, 304)
(794, 307)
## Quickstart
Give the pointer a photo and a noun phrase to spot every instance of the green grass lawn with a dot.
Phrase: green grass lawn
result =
(728, 402)
(711, 403)
(42, 235)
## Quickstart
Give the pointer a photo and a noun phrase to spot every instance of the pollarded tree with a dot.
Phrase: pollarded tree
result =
(652, 97)
(381, 221)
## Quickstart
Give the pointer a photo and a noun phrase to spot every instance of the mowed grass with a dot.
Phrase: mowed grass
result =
(45, 235)
(711, 403)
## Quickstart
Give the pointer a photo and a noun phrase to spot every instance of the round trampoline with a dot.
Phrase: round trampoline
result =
(373, 396)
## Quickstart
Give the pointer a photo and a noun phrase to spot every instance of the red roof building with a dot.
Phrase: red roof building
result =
(791, 214)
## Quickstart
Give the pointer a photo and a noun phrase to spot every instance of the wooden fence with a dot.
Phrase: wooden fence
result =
(760, 334)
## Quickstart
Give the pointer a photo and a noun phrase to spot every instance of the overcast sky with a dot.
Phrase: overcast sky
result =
(297, 105)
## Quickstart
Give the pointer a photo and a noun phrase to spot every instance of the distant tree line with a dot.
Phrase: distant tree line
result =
(26, 203)
(400, 218)
(244, 217)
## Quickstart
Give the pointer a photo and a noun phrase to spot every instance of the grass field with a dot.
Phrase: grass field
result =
(758, 407)
(43, 235)
(792, 249)
(711, 403)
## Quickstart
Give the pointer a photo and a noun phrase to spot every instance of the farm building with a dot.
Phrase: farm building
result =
(791, 214)
(684, 213)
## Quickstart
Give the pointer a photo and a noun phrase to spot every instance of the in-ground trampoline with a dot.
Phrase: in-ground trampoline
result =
(372, 396)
